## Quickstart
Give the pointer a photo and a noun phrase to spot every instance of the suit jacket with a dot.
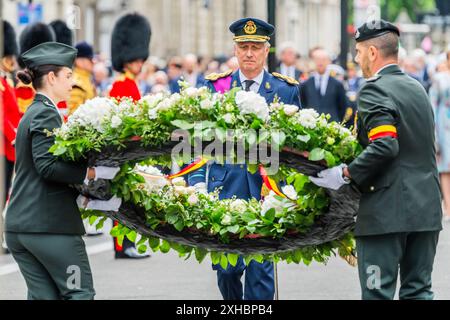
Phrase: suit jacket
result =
(41, 199)
(397, 171)
(334, 102)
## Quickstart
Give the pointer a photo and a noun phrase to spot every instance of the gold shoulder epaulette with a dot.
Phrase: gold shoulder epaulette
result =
(286, 78)
(217, 76)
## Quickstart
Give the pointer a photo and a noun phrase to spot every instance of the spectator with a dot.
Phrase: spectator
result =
(288, 57)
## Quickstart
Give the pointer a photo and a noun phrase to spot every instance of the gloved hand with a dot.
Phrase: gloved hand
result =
(110, 205)
(331, 178)
(106, 173)
(201, 187)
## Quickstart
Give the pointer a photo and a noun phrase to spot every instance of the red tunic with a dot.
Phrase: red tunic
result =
(11, 118)
(125, 86)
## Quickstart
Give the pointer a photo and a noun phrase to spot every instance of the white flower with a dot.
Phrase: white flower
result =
(228, 118)
(152, 100)
(164, 105)
(308, 118)
(252, 103)
(193, 199)
(192, 92)
(179, 182)
(275, 106)
(271, 202)
(238, 205)
(290, 192)
(175, 98)
(93, 113)
(206, 104)
(180, 190)
(226, 220)
(331, 141)
(116, 121)
(153, 114)
(290, 110)
(149, 170)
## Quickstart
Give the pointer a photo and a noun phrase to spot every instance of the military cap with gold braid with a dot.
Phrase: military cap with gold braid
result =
(251, 30)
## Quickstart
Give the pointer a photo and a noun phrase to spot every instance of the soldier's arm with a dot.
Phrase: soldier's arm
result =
(47, 165)
(379, 117)
(295, 96)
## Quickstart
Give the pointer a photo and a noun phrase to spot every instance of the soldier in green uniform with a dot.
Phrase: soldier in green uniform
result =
(400, 214)
(43, 224)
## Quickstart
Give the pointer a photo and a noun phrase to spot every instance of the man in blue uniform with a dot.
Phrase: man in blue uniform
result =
(251, 49)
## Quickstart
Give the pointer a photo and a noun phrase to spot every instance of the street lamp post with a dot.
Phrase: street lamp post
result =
(271, 6)
(344, 34)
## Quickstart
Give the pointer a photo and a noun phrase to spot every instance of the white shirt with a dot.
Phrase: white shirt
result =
(258, 81)
(287, 71)
(322, 82)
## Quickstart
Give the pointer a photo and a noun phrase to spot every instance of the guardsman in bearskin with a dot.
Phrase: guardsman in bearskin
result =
(8, 103)
(400, 213)
(129, 49)
(30, 37)
(252, 47)
(64, 35)
(84, 88)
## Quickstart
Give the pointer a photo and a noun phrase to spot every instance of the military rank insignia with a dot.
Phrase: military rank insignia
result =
(250, 27)
(268, 86)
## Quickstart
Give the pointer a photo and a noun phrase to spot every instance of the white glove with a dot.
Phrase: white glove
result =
(112, 204)
(201, 187)
(106, 173)
(331, 178)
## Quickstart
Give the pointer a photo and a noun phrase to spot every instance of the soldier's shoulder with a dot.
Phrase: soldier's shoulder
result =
(217, 76)
(286, 79)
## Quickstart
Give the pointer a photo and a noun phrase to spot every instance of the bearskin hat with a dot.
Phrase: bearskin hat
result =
(62, 32)
(33, 35)
(130, 40)
(10, 47)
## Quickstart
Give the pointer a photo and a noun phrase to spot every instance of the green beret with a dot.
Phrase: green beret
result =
(49, 53)
(374, 29)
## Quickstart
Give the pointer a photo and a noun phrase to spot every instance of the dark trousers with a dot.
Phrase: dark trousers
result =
(8, 173)
(55, 267)
(259, 281)
(381, 258)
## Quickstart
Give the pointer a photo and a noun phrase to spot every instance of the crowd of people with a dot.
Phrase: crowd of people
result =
(314, 81)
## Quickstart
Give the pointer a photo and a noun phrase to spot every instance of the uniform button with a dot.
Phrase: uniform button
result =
(242, 166)
(213, 179)
(372, 188)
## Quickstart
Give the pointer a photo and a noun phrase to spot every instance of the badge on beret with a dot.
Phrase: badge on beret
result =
(358, 34)
(250, 27)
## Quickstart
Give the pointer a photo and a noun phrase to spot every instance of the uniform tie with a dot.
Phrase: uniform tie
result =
(248, 84)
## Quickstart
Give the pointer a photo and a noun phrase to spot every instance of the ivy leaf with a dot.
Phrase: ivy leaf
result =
(224, 262)
(142, 249)
(329, 158)
(184, 125)
(215, 258)
(317, 154)
(165, 247)
(179, 225)
(132, 236)
(233, 259)
(200, 254)
(154, 243)
(233, 229)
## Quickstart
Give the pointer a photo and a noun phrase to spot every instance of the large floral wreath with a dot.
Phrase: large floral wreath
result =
(109, 123)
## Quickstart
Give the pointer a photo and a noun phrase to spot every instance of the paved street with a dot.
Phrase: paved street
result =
(166, 277)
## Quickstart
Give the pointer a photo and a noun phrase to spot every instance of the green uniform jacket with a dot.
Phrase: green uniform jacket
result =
(397, 176)
(41, 199)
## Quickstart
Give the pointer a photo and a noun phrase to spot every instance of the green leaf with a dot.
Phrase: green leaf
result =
(317, 154)
(115, 232)
(215, 257)
(154, 243)
(329, 158)
(233, 229)
(183, 124)
(224, 262)
(92, 220)
(304, 138)
(233, 259)
(59, 150)
(252, 168)
(179, 225)
(269, 216)
(120, 239)
(200, 254)
(165, 247)
(132, 236)
(300, 181)
(142, 249)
